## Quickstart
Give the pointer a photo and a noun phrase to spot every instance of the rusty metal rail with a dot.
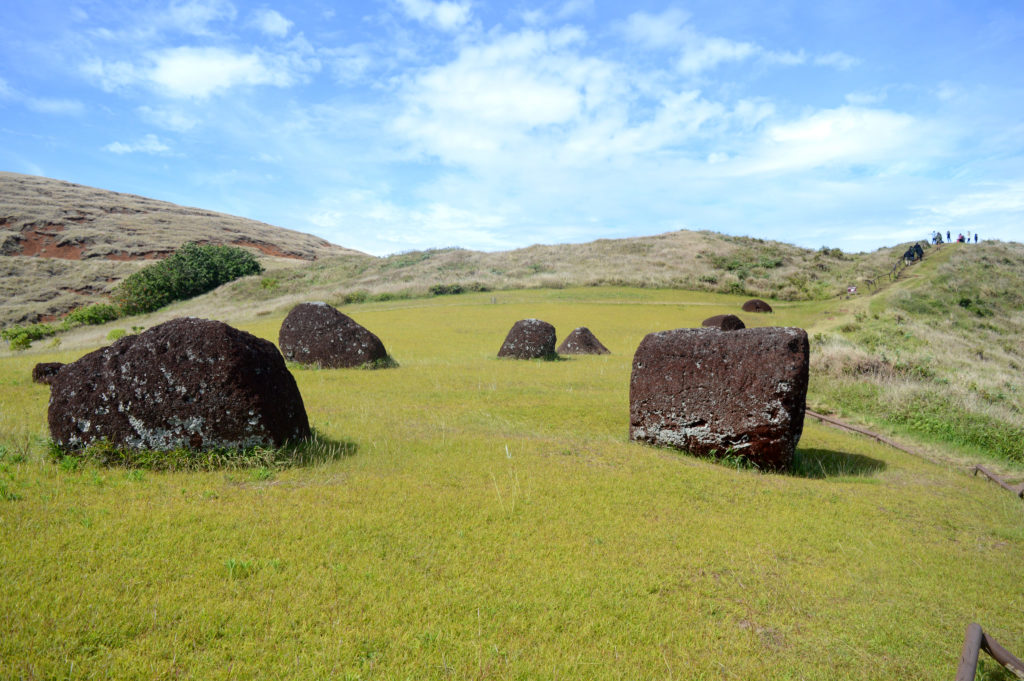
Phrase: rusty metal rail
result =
(1016, 489)
(977, 640)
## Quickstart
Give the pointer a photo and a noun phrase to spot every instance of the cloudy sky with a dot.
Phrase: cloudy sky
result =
(405, 124)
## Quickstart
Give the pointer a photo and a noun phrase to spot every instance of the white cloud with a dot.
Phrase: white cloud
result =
(70, 107)
(195, 16)
(169, 119)
(1000, 199)
(271, 23)
(785, 58)
(445, 15)
(843, 136)
(348, 63)
(865, 98)
(657, 30)
(111, 75)
(150, 144)
(199, 72)
(492, 95)
(573, 7)
(701, 53)
(698, 52)
(40, 104)
(364, 220)
(948, 91)
(839, 60)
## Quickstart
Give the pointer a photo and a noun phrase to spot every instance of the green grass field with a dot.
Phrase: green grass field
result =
(491, 520)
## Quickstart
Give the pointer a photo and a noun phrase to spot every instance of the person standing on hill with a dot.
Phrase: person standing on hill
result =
(975, 237)
(948, 237)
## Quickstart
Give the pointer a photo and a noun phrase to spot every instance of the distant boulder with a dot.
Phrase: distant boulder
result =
(529, 339)
(713, 394)
(724, 322)
(44, 372)
(317, 334)
(187, 383)
(582, 342)
(756, 305)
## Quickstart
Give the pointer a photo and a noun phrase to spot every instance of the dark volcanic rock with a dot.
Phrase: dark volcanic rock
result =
(529, 339)
(724, 322)
(582, 342)
(756, 305)
(316, 333)
(44, 372)
(712, 393)
(189, 383)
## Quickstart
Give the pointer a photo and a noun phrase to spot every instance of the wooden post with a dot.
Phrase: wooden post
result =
(977, 640)
(969, 654)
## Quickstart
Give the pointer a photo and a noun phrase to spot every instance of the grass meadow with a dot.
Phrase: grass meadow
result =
(489, 519)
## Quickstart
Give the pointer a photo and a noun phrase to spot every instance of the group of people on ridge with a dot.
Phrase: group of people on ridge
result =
(937, 237)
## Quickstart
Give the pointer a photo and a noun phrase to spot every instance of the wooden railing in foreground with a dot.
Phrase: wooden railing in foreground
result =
(1016, 489)
(831, 420)
(976, 641)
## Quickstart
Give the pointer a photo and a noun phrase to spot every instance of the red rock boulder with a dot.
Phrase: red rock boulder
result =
(582, 342)
(44, 372)
(529, 339)
(756, 305)
(317, 334)
(187, 383)
(724, 322)
(713, 394)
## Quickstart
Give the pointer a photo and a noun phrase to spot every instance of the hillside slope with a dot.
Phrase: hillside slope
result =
(695, 261)
(939, 354)
(64, 245)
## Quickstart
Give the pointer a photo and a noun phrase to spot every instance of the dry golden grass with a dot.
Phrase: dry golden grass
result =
(104, 223)
(99, 228)
(682, 260)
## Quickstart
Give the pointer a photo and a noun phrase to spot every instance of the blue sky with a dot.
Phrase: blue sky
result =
(407, 124)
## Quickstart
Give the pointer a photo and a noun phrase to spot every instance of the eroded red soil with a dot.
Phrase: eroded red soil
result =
(42, 241)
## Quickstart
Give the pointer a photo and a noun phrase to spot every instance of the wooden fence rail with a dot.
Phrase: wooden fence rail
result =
(1016, 489)
(977, 640)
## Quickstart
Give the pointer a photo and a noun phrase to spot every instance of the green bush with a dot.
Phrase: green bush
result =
(115, 334)
(355, 297)
(446, 289)
(189, 271)
(100, 313)
(21, 337)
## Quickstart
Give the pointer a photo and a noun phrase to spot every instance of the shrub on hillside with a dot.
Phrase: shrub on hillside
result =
(21, 337)
(189, 271)
(100, 313)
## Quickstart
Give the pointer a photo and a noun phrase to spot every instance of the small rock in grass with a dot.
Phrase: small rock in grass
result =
(529, 339)
(317, 334)
(44, 372)
(724, 322)
(582, 342)
(756, 305)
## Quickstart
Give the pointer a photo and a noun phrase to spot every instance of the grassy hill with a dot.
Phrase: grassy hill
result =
(64, 245)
